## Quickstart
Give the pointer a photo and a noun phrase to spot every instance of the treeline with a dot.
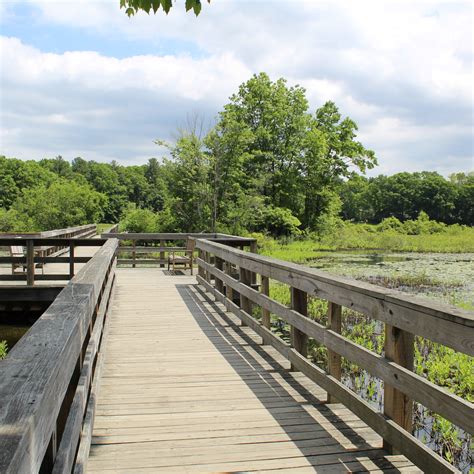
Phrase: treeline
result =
(406, 195)
(268, 165)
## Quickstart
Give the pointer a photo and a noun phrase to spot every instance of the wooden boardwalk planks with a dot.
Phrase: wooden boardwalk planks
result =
(185, 389)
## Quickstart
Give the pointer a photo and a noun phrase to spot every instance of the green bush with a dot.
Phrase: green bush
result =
(277, 221)
(139, 220)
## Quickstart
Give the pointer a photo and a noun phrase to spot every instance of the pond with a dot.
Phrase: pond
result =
(446, 277)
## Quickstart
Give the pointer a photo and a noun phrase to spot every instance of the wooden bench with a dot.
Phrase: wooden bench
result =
(186, 260)
(17, 251)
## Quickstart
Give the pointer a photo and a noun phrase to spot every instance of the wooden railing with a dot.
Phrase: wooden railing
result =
(48, 381)
(33, 258)
(161, 245)
(225, 271)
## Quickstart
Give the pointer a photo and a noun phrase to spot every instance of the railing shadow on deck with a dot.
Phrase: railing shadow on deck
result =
(318, 445)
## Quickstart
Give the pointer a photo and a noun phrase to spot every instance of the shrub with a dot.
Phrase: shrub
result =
(278, 221)
(139, 220)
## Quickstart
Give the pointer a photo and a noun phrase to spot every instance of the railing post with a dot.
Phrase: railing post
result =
(30, 262)
(265, 290)
(299, 302)
(162, 253)
(245, 277)
(253, 249)
(207, 259)
(201, 271)
(229, 292)
(399, 347)
(334, 359)
(134, 244)
(71, 260)
(219, 282)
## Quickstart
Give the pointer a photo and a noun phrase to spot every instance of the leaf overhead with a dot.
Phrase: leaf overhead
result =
(132, 7)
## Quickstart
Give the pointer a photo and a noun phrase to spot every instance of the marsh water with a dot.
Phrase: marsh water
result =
(447, 278)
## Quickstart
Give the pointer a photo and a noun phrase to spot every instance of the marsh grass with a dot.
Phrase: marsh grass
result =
(348, 236)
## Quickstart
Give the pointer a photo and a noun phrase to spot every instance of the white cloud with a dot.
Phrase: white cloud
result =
(402, 70)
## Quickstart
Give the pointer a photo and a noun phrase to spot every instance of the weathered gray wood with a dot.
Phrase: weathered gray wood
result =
(50, 277)
(80, 466)
(399, 348)
(245, 279)
(267, 336)
(30, 263)
(299, 303)
(219, 284)
(65, 457)
(410, 446)
(413, 449)
(450, 406)
(53, 242)
(71, 260)
(334, 359)
(37, 372)
(162, 253)
(265, 290)
(441, 323)
(141, 249)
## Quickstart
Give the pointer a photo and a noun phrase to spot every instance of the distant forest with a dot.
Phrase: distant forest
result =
(268, 165)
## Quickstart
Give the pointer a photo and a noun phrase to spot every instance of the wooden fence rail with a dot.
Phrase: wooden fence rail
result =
(404, 317)
(135, 245)
(32, 257)
(48, 382)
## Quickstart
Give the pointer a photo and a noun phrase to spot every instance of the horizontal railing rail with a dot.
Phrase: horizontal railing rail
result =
(134, 245)
(32, 257)
(227, 272)
(49, 379)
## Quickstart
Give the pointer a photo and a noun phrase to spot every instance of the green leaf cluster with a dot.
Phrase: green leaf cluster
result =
(132, 7)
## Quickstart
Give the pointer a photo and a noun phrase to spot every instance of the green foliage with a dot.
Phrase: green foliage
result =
(454, 238)
(139, 220)
(62, 204)
(3, 349)
(406, 195)
(132, 7)
(278, 221)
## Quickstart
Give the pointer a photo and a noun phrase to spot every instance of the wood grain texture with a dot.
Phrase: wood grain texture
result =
(37, 373)
(195, 392)
(450, 406)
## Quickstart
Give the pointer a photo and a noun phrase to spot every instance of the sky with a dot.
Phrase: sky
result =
(80, 78)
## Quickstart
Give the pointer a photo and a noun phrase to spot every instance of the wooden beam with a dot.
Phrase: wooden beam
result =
(265, 290)
(399, 348)
(299, 303)
(334, 359)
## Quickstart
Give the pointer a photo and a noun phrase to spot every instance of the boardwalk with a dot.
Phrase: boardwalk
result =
(185, 388)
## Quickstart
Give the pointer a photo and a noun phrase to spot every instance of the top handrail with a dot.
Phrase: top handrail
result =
(439, 322)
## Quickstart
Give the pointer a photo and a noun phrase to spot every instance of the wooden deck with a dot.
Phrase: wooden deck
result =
(185, 388)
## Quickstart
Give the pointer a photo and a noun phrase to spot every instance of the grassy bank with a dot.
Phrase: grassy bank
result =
(348, 236)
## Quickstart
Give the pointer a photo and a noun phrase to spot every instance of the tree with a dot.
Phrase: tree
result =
(188, 183)
(62, 204)
(279, 151)
(134, 6)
